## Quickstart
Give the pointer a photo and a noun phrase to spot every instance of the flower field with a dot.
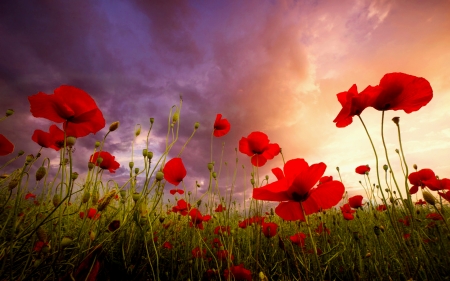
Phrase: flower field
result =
(88, 228)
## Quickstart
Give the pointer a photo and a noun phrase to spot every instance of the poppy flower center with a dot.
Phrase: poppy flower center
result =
(299, 197)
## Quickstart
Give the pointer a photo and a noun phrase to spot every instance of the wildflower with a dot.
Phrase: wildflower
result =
(269, 229)
(352, 104)
(198, 253)
(223, 230)
(176, 190)
(92, 214)
(6, 147)
(406, 236)
(174, 171)
(405, 221)
(220, 208)
(325, 179)
(437, 184)
(400, 91)
(224, 255)
(197, 219)
(321, 228)
(257, 146)
(419, 178)
(362, 170)
(221, 126)
(167, 245)
(421, 202)
(298, 239)
(216, 243)
(30, 195)
(446, 195)
(182, 207)
(54, 139)
(381, 208)
(434, 216)
(238, 272)
(294, 189)
(108, 162)
(355, 201)
(70, 105)
(347, 212)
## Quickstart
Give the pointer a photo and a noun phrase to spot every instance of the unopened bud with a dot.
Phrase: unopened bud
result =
(56, 200)
(415, 167)
(21, 152)
(427, 196)
(99, 160)
(210, 166)
(152, 120)
(97, 144)
(159, 176)
(149, 155)
(214, 175)
(70, 141)
(137, 132)
(385, 167)
(144, 152)
(252, 181)
(66, 241)
(74, 175)
(337, 168)
(85, 197)
(136, 170)
(91, 166)
(267, 177)
(9, 112)
(13, 183)
(396, 120)
(136, 196)
(196, 125)
(397, 151)
(131, 165)
(114, 126)
(29, 158)
(40, 173)
(175, 117)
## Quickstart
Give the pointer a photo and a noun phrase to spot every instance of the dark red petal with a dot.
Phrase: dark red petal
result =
(362, 169)
(307, 179)
(278, 173)
(244, 147)
(173, 191)
(272, 150)
(6, 147)
(49, 107)
(174, 171)
(328, 194)
(414, 189)
(258, 160)
(416, 178)
(355, 201)
(258, 142)
(290, 211)
(221, 126)
(86, 123)
(275, 191)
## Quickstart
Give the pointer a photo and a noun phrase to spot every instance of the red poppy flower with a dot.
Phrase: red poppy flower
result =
(325, 179)
(257, 146)
(352, 104)
(197, 219)
(295, 186)
(167, 245)
(406, 236)
(437, 184)
(322, 228)
(30, 195)
(92, 214)
(216, 243)
(405, 221)
(6, 147)
(220, 209)
(355, 201)
(347, 212)
(381, 208)
(418, 178)
(238, 272)
(421, 202)
(362, 170)
(223, 230)
(298, 239)
(221, 126)
(182, 207)
(197, 253)
(39, 245)
(400, 91)
(224, 255)
(269, 229)
(249, 221)
(176, 190)
(434, 216)
(70, 105)
(108, 162)
(174, 171)
(445, 195)
(54, 139)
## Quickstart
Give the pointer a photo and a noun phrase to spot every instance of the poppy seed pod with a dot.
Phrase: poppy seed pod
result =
(152, 120)
(136, 170)
(40, 173)
(123, 193)
(56, 200)
(74, 175)
(66, 241)
(97, 144)
(196, 125)
(29, 158)
(396, 120)
(175, 117)
(114, 126)
(99, 160)
(210, 166)
(149, 155)
(13, 183)
(70, 141)
(137, 132)
(385, 167)
(91, 166)
(214, 175)
(21, 152)
(427, 196)
(159, 176)
(85, 197)
(144, 152)
(252, 181)
(9, 112)
(131, 165)
(136, 196)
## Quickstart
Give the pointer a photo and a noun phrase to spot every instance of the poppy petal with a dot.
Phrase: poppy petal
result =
(6, 147)
(174, 171)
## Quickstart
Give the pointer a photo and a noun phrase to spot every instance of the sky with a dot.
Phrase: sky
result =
(270, 66)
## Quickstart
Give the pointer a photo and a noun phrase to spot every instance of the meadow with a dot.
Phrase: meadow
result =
(92, 229)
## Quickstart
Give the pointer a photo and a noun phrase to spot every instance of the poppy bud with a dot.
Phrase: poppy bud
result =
(210, 166)
(99, 160)
(152, 120)
(41, 234)
(9, 112)
(56, 200)
(175, 117)
(189, 193)
(66, 241)
(91, 166)
(136, 196)
(415, 167)
(85, 197)
(159, 176)
(29, 158)
(40, 173)
(392, 200)
(214, 175)
(397, 151)
(196, 125)
(262, 277)
(21, 152)
(131, 165)
(123, 193)
(74, 175)
(13, 183)
(137, 132)
(97, 144)
(114, 126)
(429, 198)
(252, 181)
(199, 202)
(396, 120)
(95, 196)
(337, 168)
(385, 167)
(144, 152)
(149, 155)
(92, 235)
(70, 141)
(136, 170)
